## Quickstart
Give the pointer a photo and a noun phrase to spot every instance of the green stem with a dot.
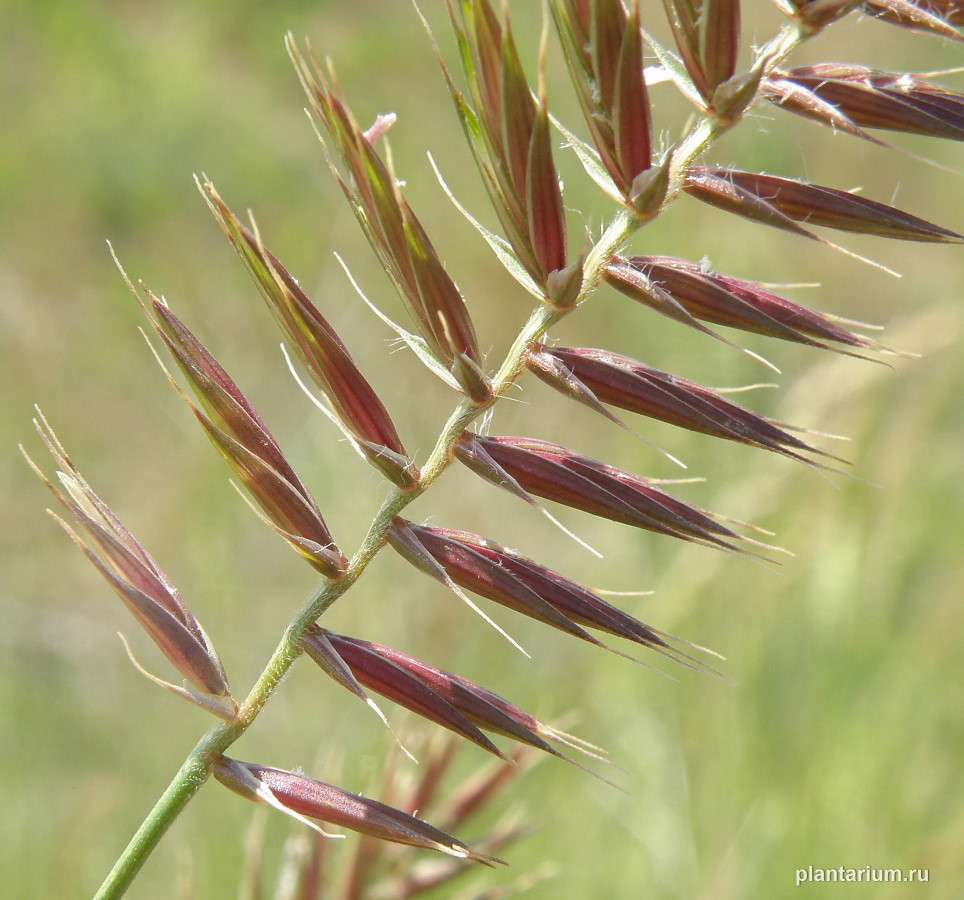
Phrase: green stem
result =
(192, 774)
(197, 767)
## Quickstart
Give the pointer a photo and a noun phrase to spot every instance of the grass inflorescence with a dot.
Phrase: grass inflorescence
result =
(615, 67)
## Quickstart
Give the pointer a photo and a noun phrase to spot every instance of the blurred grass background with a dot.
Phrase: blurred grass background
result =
(839, 742)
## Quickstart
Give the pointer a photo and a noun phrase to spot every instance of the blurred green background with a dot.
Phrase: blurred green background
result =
(839, 742)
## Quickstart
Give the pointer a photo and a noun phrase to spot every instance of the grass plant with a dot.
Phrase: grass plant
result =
(557, 262)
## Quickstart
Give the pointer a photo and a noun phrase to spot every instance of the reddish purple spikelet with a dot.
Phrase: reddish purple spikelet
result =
(306, 797)
(943, 17)
(500, 574)
(782, 202)
(684, 20)
(723, 300)
(317, 645)
(396, 235)
(557, 473)
(508, 132)
(603, 46)
(716, 188)
(601, 375)
(634, 282)
(466, 567)
(631, 115)
(869, 98)
(380, 674)
(458, 704)
(357, 406)
(707, 35)
(242, 438)
(795, 98)
(517, 113)
(547, 220)
(140, 583)
(721, 40)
